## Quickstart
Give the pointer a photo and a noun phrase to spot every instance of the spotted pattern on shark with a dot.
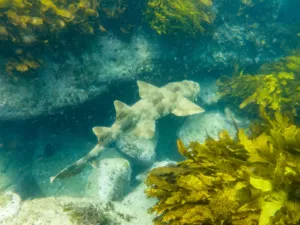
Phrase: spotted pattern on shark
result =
(140, 118)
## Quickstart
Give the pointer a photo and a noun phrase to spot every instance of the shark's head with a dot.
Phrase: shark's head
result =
(189, 89)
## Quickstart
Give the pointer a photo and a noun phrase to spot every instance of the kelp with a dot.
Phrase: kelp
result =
(28, 27)
(233, 181)
(276, 87)
(170, 16)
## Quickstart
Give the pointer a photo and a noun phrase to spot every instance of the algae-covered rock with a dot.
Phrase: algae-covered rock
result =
(81, 211)
(76, 79)
(66, 211)
(209, 91)
(110, 181)
(136, 204)
(9, 206)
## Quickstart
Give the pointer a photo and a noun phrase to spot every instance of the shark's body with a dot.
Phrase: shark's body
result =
(140, 118)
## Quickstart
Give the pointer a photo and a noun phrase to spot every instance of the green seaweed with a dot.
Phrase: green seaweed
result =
(245, 181)
(276, 87)
(168, 17)
(93, 214)
(28, 27)
(86, 215)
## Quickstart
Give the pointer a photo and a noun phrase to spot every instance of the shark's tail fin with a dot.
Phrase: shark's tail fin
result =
(79, 165)
(71, 170)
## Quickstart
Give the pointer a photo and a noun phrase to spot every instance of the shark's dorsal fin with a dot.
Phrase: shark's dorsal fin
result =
(185, 108)
(146, 89)
(101, 132)
(121, 109)
(145, 129)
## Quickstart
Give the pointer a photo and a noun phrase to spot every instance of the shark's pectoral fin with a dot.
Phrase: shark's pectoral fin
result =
(146, 89)
(101, 132)
(145, 129)
(185, 108)
(121, 109)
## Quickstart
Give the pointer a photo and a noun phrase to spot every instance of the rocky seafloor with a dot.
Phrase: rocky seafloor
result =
(46, 122)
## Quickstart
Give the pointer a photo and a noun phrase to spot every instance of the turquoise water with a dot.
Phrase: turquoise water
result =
(47, 113)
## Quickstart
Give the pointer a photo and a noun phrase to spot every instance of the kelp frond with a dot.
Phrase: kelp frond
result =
(168, 17)
(226, 181)
(276, 87)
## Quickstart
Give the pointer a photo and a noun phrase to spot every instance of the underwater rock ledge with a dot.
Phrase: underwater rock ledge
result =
(76, 80)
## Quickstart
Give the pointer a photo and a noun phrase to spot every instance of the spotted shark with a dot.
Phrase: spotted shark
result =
(139, 119)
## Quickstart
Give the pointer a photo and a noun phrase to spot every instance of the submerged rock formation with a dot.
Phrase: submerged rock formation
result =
(77, 79)
(74, 211)
(9, 206)
(110, 181)
(198, 127)
(141, 150)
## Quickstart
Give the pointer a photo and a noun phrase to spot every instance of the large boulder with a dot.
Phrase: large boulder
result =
(136, 204)
(9, 206)
(110, 181)
(67, 211)
(77, 79)
(140, 150)
(210, 123)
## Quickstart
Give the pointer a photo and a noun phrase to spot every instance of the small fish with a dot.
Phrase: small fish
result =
(139, 119)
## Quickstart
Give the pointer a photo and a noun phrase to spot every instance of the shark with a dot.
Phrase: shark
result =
(175, 98)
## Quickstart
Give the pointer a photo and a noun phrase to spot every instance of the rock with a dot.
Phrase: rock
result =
(73, 80)
(209, 91)
(197, 127)
(141, 150)
(67, 211)
(136, 204)
(110, 181)
(9, 206)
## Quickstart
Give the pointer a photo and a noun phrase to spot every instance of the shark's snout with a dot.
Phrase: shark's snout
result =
(191, 89)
